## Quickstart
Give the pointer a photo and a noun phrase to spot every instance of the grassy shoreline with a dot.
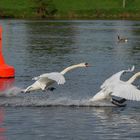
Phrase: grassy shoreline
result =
(69, 9)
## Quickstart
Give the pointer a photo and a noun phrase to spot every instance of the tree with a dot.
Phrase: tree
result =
(45, 8)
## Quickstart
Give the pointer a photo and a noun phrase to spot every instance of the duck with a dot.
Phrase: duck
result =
(122, 39)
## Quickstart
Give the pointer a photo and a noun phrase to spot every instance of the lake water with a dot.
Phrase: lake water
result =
(37, 47)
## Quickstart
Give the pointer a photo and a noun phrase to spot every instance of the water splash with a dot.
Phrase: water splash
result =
(13, 91)
(35, 101)
(13, 97)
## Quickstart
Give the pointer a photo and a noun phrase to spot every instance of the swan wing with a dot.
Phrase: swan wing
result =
(55, 76)
(112, 80)
(127, 91)
(45, 76)
(115, 77)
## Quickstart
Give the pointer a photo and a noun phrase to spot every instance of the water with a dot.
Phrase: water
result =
(36, 47)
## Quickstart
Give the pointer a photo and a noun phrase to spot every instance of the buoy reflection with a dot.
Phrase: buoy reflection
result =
(6, 83)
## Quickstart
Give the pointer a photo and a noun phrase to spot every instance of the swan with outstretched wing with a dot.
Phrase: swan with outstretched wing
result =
(45, 80)
(116, 87)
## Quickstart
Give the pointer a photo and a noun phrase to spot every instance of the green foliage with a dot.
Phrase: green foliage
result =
(15, 8)
(69, 8)
(26, 8)
(44, 8)
(97, 8)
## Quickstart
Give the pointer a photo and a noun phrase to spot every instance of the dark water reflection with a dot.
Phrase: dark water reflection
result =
(36, 47)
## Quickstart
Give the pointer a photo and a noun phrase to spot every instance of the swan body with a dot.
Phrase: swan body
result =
(116, 87)
(45, 80)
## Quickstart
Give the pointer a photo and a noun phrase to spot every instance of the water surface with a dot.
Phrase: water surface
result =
(37, 47)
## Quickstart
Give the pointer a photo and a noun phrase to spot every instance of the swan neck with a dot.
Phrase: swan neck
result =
(69, 68)
(134, 77)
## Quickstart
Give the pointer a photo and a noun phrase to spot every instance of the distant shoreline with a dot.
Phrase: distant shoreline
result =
(77, 17)
(74, 18)
(69, 9)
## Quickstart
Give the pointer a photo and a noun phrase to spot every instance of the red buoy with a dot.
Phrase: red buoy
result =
(6, 71)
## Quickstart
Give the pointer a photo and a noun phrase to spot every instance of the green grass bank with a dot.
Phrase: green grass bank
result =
(70, 9)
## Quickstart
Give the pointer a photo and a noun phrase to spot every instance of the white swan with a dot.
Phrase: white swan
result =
(45, 80)
(116, 87)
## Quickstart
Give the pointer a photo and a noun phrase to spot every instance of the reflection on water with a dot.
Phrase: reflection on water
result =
(2, 127)
(36, 47)
(114, 120)
(6, 83)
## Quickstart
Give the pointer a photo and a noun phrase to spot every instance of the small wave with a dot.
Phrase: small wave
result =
(34, 101)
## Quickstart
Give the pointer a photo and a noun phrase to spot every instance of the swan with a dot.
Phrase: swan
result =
(122, 39)
(113, 86)
(45, 80)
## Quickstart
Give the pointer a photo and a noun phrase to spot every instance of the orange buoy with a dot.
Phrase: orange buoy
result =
(6, 71)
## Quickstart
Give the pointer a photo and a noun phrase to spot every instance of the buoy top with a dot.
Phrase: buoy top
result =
(6, 71)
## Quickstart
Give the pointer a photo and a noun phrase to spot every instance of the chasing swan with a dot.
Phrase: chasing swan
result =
(113, 86)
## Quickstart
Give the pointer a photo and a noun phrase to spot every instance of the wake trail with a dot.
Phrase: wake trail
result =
(34, 101)
(14, 97)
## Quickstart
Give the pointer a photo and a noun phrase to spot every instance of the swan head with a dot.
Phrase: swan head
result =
(86, 65)
(83, 65)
